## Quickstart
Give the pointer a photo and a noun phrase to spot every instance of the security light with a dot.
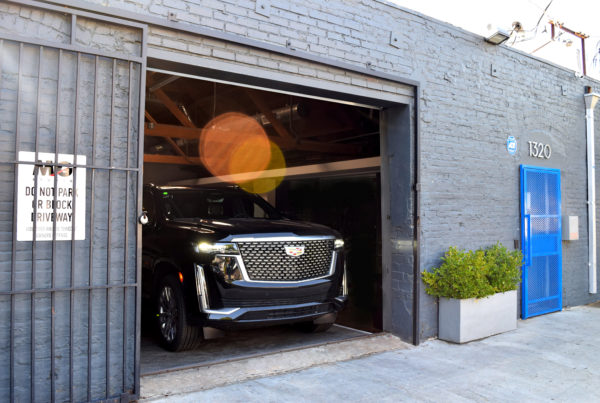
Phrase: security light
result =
(499, 37)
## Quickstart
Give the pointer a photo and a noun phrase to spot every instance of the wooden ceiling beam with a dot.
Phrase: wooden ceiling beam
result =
(149, 117)
(174, 109)
(172, 131)
(171, 142)
(172, 159)
(162, 83)
(175, 146)
(265, 110)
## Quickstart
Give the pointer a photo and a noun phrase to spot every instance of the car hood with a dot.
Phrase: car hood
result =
(227, 229)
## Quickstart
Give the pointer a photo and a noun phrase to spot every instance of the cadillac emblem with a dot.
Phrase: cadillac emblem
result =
(294, 250)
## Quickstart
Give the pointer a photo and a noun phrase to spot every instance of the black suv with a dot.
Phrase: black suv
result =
(218, 257)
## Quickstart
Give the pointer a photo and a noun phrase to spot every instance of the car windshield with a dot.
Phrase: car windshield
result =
(215, 204)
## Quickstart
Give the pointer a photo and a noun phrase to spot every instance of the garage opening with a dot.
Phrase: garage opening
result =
(322, 166)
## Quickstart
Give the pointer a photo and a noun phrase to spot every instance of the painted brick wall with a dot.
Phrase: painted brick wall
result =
(38, 97)
(203, 49)
(469, 190)
(470, 184)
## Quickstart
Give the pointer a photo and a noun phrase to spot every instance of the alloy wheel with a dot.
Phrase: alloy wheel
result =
(168, 314)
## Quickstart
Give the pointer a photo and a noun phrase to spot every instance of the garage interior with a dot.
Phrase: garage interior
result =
(324, 168)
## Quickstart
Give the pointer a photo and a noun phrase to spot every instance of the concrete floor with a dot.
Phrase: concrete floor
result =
(237, 345)
(551, 357)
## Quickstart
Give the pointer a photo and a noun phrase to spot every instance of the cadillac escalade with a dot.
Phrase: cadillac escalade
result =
(221, 258)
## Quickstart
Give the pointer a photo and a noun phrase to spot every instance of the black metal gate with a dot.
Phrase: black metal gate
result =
(70, 180)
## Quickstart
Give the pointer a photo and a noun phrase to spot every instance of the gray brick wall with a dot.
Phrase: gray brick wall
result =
(34, 23)
(470, 184)
(108, 37)
(42, 107)
(204, 49)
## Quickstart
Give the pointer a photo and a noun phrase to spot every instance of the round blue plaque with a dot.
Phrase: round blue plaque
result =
(511, 145)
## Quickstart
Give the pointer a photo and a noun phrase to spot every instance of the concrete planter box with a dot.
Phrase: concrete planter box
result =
(463, 320)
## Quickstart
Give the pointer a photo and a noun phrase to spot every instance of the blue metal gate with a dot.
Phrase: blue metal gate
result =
(541, 241)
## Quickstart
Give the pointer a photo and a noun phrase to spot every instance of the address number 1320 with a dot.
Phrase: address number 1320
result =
(539, 150)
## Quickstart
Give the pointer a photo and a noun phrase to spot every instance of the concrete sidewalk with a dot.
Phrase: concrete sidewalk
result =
(552, 357)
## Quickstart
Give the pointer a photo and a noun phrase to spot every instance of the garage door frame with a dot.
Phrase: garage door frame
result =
(397, 117)
(297, 54)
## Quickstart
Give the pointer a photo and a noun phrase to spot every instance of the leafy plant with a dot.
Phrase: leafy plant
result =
(504, 272)
(474, 274)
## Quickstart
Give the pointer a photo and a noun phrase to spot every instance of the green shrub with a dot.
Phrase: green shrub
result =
(504, 267)
(475, 274)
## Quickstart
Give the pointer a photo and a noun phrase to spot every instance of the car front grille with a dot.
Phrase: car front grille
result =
(268, 261)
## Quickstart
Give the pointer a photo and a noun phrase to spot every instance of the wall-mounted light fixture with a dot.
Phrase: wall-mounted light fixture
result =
(498, 37)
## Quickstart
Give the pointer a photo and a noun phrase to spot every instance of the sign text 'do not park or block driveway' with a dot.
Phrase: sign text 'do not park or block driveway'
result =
(53, 200)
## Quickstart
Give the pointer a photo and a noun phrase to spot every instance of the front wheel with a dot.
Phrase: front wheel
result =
(172, 329)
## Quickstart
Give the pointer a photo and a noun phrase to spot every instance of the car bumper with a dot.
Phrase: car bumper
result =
(272, 315)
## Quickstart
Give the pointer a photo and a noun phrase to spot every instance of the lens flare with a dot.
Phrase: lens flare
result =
(250, 155)
(234, 143)
(271, 177)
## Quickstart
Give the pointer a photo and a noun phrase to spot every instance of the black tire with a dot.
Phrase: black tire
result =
(173, 332)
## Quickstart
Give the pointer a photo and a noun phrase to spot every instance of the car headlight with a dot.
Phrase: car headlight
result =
(339, 243)
(227, 267)
(219, 247)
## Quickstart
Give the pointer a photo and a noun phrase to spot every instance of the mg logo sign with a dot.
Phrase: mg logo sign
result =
(294, 250)
(52, 170)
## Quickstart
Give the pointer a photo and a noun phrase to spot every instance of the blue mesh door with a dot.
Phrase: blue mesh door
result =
(541, 241)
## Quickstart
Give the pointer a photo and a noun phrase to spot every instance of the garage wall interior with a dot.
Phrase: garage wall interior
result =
(324, 167)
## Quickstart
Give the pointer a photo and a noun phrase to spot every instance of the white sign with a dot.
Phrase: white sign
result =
(56, 197)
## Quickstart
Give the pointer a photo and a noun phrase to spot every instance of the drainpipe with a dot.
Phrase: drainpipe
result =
(590, 103)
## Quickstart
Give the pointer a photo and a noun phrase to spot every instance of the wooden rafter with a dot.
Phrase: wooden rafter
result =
(183, 119)
(163, 82)
(172, 159)
(173, 144)
(149, 117)
(188, 130)
(172, 131)
(265, 110)
(174, 109)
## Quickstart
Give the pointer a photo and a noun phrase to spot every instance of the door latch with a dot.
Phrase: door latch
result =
(143, 218)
